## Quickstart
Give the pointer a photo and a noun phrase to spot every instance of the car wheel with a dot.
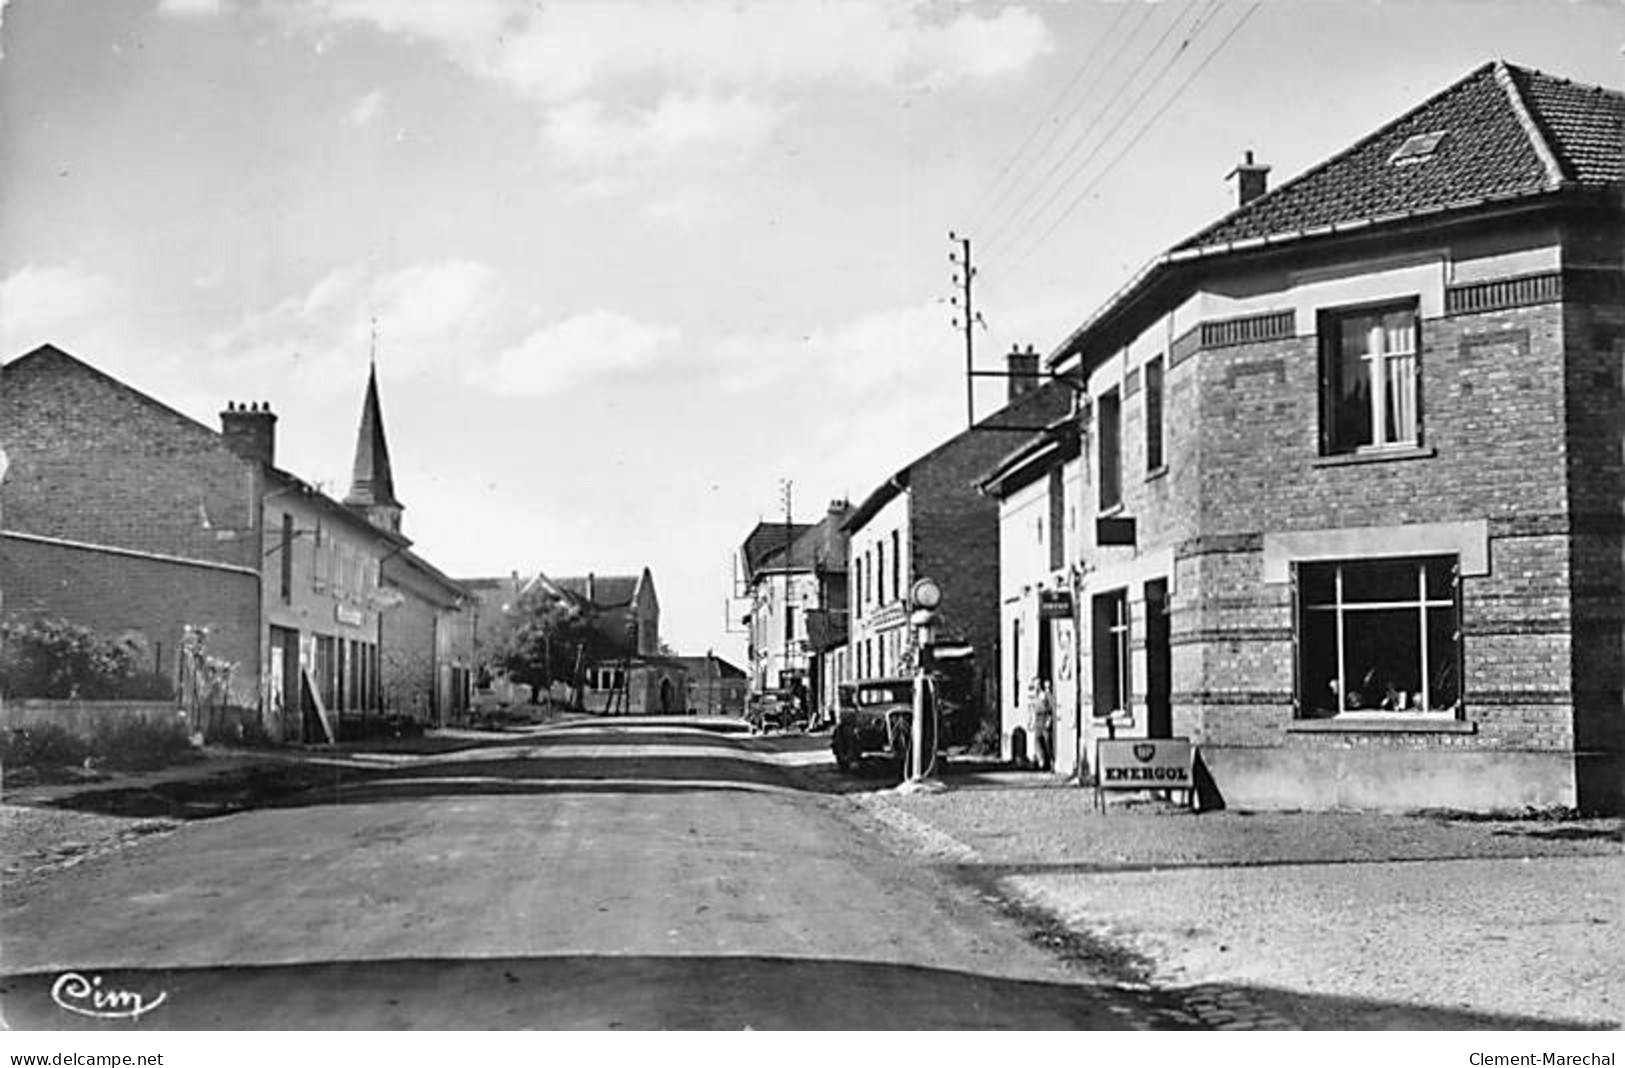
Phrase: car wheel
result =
(846, 755)
(902, 747)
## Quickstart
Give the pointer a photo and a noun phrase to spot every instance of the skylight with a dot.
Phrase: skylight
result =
(1418, 148)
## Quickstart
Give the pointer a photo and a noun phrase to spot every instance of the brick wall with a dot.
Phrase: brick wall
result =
(406, 649)
(954, 529)
(116, 593)
(95, 461)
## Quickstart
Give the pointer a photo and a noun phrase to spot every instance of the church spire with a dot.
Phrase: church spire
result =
(372, 484)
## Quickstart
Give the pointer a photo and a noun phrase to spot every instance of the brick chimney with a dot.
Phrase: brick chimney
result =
(1023, 370)
(250, 431)
(1252, 179)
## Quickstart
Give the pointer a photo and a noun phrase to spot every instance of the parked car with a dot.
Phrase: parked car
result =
(876, 716)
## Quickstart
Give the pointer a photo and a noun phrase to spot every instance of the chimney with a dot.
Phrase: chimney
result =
(840, 507)
(591, 589)
(1023, 371)
(1252, 179)
(250, 431)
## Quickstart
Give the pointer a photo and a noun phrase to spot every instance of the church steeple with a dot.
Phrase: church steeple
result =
(372, 485)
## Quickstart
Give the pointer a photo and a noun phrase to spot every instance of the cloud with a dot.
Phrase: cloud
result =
(56, 304)
(190, 9)
(365, 109)
(558, 52)
(429, 315)
(559, 356)
(716, 129)
(879, 347)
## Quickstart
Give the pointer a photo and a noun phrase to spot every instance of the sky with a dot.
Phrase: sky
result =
(634, 265)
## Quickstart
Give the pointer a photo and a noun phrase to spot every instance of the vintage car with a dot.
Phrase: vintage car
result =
(876, 717)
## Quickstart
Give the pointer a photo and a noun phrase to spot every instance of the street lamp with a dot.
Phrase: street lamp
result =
(924, 597)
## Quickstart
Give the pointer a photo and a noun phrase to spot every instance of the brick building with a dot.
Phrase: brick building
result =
(128, 517)
(123, 515)
(1352, 478)
(929, 520)
(794, 577)
(1037, 488)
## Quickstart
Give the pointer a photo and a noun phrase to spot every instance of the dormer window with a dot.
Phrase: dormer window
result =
(1418, 148)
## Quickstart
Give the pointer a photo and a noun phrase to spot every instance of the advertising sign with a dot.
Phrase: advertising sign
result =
(1054, 604)
(1143, 764)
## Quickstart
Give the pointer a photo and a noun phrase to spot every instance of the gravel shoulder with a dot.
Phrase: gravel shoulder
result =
(1344, 920)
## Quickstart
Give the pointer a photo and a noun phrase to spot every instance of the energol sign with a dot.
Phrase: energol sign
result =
(1143, 764)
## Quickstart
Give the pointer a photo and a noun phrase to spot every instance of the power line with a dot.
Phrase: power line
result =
(986, 200)
(1014, 219)
(1144, 128)
(1023, 226)
(1034, 189)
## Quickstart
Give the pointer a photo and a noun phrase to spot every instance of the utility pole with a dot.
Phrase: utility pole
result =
(967, 317)
(787, 487)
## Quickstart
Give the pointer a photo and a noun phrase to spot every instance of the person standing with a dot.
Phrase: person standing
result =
(1043, 725)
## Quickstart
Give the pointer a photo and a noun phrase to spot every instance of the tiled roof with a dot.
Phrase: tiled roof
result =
(1509, 131)
(608, 591)
(766, 540)
(1584, 124)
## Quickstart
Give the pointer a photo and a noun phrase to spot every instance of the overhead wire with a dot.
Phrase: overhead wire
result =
(987, 198)
(1015, 219)
(1035, 187)
(1023, 225)
(1143, 129)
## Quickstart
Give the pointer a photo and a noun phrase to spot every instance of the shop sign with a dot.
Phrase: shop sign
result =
(348, 613)
(1143, 764)
(1054, 604)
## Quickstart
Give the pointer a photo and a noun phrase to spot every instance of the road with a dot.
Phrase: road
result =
(608, 875)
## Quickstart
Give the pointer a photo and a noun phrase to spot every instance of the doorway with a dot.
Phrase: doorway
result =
(1159, 710)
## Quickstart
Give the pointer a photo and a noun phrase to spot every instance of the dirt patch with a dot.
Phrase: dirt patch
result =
(36, 842)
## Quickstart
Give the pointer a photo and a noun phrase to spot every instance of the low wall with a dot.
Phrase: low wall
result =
(1393, 779)
(80, 717)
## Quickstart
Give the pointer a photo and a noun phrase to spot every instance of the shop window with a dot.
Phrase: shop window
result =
(1379, 637)
(1111, 653)
(1110, 449)
(1368, 379)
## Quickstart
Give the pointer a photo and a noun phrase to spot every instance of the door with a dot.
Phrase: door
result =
(1159, 712)
(1067, 724)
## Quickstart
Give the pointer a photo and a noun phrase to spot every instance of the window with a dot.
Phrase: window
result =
(1111, 653)
(1015, 664)
(1111, 450)
(857, 586)
(1057, 513)
(1368, 379)
(789, 622)
(896, 564)
(1379, 636)
(1153, 415)
(880, 572)
(287, 557)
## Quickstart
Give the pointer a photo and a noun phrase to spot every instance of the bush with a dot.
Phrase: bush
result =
(55, 659)
(136, 744)
(42, 745)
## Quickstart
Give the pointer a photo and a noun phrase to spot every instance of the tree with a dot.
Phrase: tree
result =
(546, 639)
(666, 650)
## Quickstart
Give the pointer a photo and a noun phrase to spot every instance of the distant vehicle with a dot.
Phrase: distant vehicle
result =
(774, 710)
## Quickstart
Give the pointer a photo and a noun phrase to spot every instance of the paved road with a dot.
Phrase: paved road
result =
(599, 876)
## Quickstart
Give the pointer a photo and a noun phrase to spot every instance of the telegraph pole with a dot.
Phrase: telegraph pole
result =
(967, 317)
(787, 486)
